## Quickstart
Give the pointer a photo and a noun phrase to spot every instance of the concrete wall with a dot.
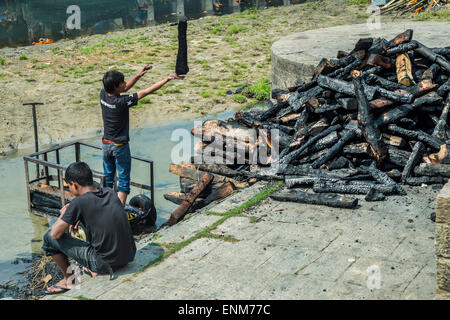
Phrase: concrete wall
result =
(443, 242)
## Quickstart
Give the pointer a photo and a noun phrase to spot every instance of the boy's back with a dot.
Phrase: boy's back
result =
(108, 229)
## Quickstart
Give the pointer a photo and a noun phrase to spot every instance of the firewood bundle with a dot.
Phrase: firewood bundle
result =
(401, 7)
(369, 121)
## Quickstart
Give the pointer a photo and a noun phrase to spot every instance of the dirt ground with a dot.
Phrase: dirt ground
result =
(225, 52)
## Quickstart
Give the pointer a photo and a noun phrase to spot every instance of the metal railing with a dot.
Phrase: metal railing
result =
(41, 159)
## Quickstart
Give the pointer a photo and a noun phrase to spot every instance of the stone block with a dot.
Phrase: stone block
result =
(443, 205)
(443, 240)
(443, 274)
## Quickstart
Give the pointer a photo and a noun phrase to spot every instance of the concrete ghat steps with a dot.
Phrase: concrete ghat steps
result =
(295, 56)
(287, 251)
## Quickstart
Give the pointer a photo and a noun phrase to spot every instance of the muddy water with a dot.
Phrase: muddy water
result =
(21, 232)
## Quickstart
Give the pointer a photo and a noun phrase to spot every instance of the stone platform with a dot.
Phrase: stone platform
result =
(295, 56)
(283, 250)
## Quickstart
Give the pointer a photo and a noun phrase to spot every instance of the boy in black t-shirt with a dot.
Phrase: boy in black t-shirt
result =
(116, 125)
(110, 242)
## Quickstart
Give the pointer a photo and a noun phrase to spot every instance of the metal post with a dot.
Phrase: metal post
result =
(27, 180)
(36, 141)
(57, 162)
(61, 183)
(151, 182)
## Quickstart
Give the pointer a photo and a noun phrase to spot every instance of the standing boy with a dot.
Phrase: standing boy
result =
(116, 123)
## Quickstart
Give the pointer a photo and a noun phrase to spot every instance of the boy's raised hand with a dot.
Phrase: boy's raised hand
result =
(144, 70)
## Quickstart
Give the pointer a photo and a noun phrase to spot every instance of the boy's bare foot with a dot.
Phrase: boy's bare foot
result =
(60, 287)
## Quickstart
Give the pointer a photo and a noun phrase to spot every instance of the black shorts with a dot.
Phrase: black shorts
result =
(81, 251)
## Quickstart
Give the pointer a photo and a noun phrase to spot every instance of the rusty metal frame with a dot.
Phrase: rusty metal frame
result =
(35, 158)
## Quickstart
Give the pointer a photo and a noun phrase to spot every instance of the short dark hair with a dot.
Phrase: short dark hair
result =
(80, 173)
(112, 79)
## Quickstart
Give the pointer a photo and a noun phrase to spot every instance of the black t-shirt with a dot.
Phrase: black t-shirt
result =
(116, 115)
(106, 223)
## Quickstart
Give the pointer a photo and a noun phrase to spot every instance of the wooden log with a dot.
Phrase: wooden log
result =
(384, 179)
(351, 187)
(321, 144)
(294, 154)
(380, 103)
(302, 98)
(183, 208)
(379, 60)
(357, 149)
(293, 181)
(374, 195)
(324, 67)
(334, 150)
(444, 88)
(272, 111)
(384, 83)
(404, 70)
(189, 171)
(441, 157)
(397, 156)
(367, 125)
(338, 163)
(307, 170)
(427, 53)
(401, 38)
(396, 96)
(175, 197)
(431, 72)
(416, 135)
(429, 169)
(416, 155)
(349, 104)
(402, 48)
(222, 170)
(440, 130)
(330, 200)
(418, 181)
(394, 141)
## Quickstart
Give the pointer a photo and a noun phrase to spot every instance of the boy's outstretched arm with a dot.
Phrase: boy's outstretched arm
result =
(158, 85)
(133, 80)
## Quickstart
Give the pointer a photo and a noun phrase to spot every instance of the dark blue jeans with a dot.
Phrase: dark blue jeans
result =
(117, 157)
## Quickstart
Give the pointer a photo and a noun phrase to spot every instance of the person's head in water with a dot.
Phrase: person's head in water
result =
(78, 175)
(114, 82)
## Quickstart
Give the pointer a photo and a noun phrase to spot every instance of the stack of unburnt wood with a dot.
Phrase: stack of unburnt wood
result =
(369, 121)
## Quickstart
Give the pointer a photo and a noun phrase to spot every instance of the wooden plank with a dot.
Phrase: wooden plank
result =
(189, 171)
(183, 208)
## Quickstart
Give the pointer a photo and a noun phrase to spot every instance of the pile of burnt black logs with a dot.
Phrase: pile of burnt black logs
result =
(368, 122)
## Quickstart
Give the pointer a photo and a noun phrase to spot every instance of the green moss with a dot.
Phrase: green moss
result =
(239, 98)
(235, 29)
(260, 90)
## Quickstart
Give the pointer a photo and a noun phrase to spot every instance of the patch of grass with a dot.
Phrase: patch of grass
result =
(239, 98)
(23, 58)
(2, 75)
(30, 80)
(2, 61)
(205, 94)
(41, 66)
(260, 90)
(441, 15)
(235, 29)
(358, 2)
(84, 298)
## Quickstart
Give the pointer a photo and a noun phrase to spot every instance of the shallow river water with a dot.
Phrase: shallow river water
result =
(21, 232)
